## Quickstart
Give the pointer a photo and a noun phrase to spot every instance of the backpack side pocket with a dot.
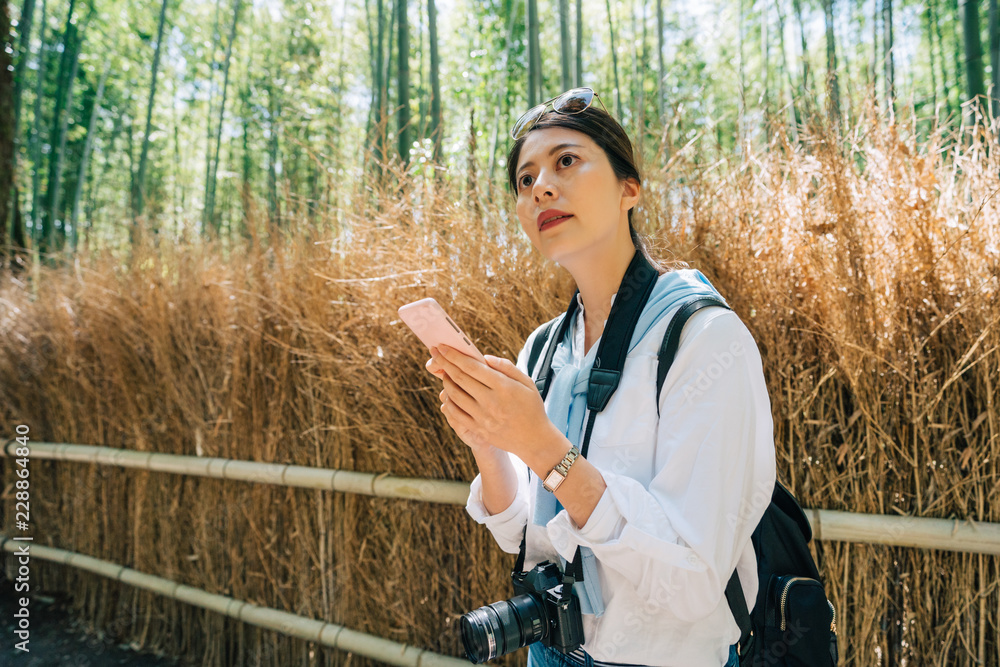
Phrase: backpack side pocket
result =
(799, 629)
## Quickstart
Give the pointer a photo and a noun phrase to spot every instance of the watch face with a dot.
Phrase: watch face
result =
(553, 480)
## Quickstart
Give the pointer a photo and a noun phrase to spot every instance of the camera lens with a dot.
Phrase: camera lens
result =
(502, 627)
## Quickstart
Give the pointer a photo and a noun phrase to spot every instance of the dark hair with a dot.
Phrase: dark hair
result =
(613, 140)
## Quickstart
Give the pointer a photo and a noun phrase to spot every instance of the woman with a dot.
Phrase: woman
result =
(663, 505)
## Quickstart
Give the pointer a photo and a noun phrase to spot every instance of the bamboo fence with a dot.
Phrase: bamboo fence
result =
(828, 525)
(308, 629)
(867, 270)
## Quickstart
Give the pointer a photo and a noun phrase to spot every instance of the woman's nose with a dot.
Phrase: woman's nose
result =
(543, 186)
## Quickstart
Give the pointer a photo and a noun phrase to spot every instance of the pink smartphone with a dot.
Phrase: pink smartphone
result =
(432, 325)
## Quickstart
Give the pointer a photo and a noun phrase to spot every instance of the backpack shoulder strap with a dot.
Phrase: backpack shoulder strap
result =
(672, 338)
(738, 606)
(538, 345)
(665, 357)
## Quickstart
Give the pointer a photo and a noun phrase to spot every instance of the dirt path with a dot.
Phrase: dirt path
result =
(58, 640)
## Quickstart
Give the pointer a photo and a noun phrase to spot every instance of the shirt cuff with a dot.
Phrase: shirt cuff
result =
(477, 509)
(604, 525)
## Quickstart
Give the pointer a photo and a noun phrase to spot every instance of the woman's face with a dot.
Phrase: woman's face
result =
(563, 169)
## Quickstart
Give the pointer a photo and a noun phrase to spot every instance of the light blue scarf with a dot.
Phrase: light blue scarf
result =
(567, 403)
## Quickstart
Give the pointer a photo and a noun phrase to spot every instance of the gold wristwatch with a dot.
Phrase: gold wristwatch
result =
(559, 473)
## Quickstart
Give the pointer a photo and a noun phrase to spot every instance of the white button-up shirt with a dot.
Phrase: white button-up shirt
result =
(684, 494)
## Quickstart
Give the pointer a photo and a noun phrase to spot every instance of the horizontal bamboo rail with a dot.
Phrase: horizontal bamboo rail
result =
(346, 481)
(321, 632)
(828, 525)
(906, 531)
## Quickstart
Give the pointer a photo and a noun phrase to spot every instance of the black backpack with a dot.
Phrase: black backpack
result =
(793, 624)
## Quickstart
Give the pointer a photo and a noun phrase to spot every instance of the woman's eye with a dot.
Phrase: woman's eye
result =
(561, 158)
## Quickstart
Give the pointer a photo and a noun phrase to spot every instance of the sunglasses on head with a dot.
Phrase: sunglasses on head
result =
(571, 102)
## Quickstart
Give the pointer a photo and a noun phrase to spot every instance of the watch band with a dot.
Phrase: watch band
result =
(558, 474)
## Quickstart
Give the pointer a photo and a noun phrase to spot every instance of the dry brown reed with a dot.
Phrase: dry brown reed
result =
(867, 270)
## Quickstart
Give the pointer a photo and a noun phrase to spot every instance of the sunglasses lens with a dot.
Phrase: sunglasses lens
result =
(526, 121)
(574, 101)
(570, 102)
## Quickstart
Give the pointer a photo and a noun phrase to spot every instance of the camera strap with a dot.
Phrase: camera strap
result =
(605, 375)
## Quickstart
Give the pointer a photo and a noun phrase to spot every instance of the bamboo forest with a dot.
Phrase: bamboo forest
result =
(182, 116)
(224, 440)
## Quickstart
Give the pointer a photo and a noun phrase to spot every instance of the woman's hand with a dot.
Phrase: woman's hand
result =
(494, 407)
(491, 405)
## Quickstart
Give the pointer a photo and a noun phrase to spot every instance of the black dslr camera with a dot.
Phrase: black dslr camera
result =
(544, 608)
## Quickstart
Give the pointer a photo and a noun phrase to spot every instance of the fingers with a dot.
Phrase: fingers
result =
(434, 368)
(452, 410)
(508, 368)
(458, 418)
(477, 370)
(458, 396)
(470, 374)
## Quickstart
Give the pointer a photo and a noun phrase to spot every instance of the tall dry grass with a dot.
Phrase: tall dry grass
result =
(867, 270)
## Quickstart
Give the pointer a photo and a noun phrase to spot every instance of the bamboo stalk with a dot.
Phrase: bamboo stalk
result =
(321, 632)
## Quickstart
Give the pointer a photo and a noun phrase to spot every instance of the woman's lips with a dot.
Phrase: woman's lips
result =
(553, 223)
